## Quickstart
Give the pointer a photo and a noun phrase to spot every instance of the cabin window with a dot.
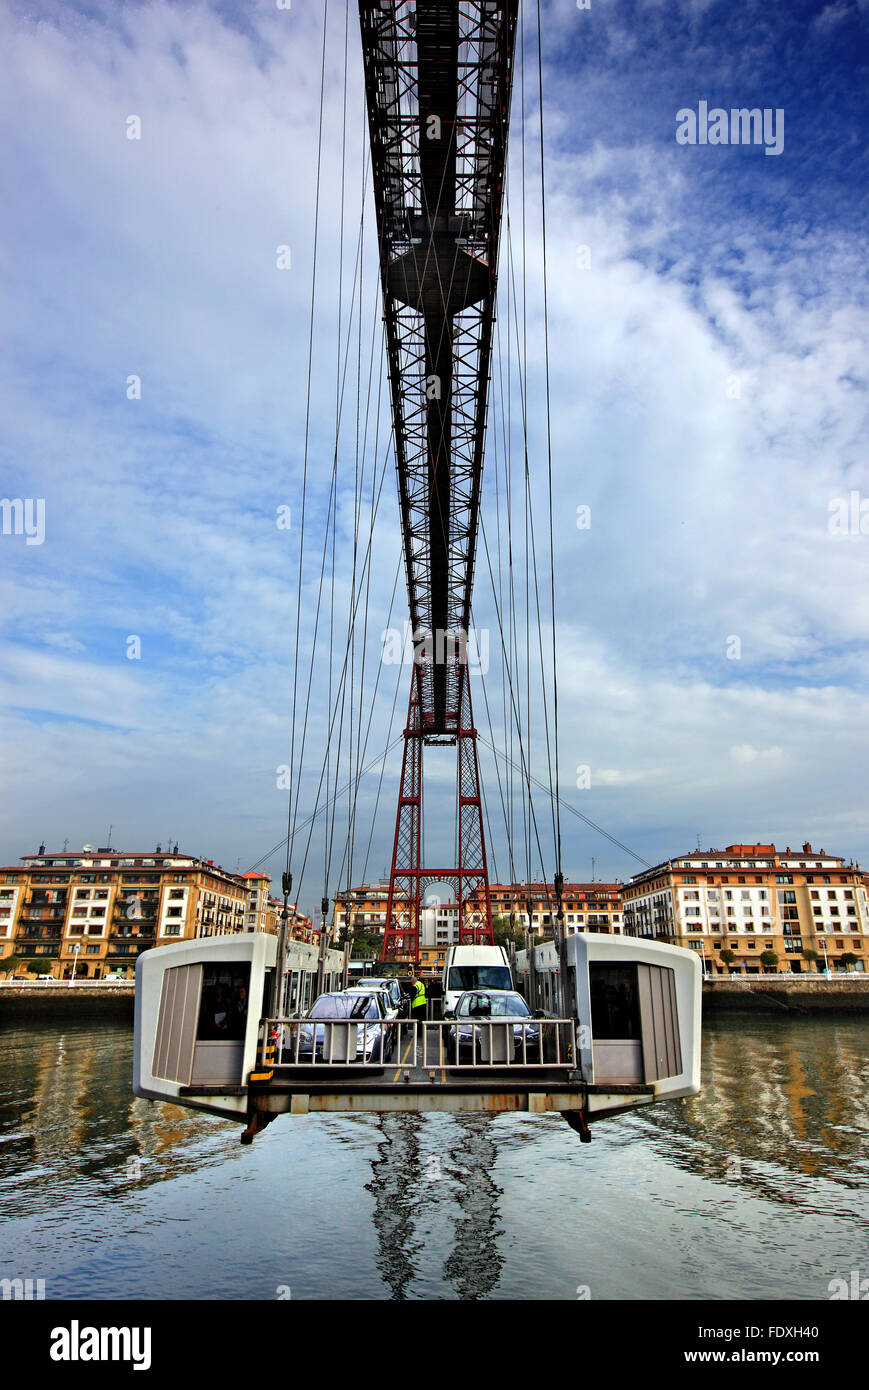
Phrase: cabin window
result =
(615, 1005)
(571, 989)
(224, 1003)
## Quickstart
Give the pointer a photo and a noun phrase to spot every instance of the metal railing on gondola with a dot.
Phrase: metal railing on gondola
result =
(408, 1045)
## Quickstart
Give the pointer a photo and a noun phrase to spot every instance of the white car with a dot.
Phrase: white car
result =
(390, 1007)
(392, 987)
(474, 967)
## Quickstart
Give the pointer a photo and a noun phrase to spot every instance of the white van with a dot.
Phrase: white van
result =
(474, 967)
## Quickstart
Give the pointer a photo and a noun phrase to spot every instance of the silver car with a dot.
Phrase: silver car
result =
(366, 1008)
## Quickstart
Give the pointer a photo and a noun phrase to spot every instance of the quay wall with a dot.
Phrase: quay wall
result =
(812, 994)
(64, 1000)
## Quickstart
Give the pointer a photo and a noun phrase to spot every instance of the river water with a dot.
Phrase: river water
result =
(756, 1188)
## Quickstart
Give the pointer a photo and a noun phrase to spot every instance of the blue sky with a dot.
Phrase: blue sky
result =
(709, 266)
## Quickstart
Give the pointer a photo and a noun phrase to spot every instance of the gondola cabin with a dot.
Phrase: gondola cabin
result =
(637, 1004)
(199, 1006)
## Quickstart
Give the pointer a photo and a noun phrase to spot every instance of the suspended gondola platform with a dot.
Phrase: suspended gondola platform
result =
(203, 1039)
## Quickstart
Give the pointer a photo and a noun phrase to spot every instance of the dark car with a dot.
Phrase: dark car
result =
(494, 1004)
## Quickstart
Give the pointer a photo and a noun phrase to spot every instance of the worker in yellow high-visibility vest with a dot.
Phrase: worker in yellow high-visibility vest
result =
(417, 1003)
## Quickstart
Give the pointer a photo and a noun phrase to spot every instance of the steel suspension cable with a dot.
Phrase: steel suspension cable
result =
(290, 811)
(549, 442)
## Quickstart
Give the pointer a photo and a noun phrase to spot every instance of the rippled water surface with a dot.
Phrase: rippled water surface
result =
(757, 1188)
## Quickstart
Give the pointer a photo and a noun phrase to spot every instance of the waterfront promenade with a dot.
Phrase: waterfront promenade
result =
(839, 993)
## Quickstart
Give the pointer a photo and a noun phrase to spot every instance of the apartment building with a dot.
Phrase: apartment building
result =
(363, 907)
(258, 901)
(747, 899)
(264, 911)
(587, 907)
(594, 907)
(93, 911)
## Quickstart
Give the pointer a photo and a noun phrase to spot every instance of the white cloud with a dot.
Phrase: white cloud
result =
(745, 753)
(709, 514)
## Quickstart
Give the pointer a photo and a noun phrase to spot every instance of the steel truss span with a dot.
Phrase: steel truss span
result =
(438, 77)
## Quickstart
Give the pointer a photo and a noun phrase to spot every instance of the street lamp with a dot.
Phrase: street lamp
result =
(703, 953)
(75, 954)
(826, 962)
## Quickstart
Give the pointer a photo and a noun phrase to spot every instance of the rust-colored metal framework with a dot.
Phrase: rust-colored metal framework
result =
(469, 878)
(438, 75)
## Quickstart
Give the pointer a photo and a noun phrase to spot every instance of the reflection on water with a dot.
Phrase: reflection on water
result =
(474, 1266)
(394, 1174)
(784, 1112)
(68, 1116)
(409, 1184)
(754, 1188)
